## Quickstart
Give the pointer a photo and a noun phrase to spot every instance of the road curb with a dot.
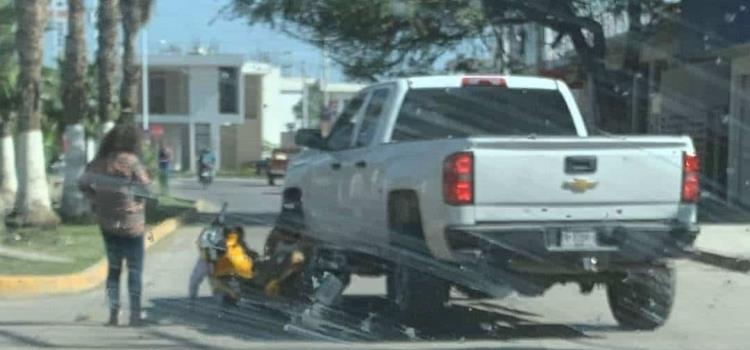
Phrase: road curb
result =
(91, 277)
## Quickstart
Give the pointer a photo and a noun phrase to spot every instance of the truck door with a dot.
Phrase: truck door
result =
(326, 205)
(367, 200)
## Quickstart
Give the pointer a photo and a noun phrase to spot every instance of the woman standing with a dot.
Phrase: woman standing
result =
(116, 183)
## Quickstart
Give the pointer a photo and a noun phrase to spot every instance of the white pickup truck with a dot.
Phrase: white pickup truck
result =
(489, 184)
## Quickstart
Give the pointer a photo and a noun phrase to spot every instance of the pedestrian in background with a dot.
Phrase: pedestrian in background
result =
(165, 166)
(117, 185)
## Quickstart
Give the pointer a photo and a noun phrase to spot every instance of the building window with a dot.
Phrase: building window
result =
(228, 90)
(157, 97)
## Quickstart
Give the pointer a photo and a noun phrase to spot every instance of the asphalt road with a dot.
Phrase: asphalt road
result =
(711, 310)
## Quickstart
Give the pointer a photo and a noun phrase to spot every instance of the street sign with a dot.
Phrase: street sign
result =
(157, 130)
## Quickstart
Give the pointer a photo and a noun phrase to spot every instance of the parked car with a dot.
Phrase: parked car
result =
(492, 184)
(276, 166)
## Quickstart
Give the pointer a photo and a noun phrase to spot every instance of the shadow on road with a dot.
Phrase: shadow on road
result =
(206, 315)
(360, 318)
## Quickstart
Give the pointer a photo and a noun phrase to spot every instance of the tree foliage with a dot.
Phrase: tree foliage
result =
(376, 39)
(371, 39)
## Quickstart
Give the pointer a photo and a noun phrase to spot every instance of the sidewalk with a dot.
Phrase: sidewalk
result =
(731, 240)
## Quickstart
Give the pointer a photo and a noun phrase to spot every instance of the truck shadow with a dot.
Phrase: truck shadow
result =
(360, 318)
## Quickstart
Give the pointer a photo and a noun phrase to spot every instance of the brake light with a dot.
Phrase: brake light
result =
(690, 178)
(458, 179)
(484, 81)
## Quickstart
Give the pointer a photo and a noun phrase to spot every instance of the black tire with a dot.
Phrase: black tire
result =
(300, 284)
(417, 296)
(644, 299)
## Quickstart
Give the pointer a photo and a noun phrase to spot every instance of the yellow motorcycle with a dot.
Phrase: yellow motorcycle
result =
(234, 270)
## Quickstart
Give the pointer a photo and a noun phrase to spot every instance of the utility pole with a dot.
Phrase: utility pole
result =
(305, 102)
(325, 77)
(144, 78)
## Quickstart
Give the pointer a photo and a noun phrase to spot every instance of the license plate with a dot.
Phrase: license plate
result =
(578, 239)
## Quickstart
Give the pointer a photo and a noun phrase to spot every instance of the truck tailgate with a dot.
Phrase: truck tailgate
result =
(571, 178)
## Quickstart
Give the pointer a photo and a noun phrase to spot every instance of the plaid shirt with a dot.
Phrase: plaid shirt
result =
(117, 187)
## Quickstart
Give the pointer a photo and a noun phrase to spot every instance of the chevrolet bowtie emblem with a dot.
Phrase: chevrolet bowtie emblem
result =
(579, 185)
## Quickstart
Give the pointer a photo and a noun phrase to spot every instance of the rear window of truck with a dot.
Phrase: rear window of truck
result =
(437, 113)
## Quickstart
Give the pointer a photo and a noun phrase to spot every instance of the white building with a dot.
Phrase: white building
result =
(190, 98)
(292, 92)
(224, 103)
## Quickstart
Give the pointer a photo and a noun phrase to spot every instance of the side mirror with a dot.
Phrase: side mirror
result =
(310, 138)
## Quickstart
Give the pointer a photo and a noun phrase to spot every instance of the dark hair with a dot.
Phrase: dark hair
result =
(123, 138)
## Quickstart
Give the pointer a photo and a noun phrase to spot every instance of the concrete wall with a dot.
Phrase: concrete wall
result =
(242, 144)
(176, 137)
(694, 100)
(694, 91)
(229, 147)
(738, 172)
(249, 141)
(277, 107)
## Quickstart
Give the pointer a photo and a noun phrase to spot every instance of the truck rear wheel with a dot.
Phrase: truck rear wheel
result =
(643, 300)
(416, 295)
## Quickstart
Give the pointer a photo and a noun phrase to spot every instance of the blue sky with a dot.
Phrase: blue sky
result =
(185, 22)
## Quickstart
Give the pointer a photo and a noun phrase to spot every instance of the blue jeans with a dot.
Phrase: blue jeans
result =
(131, 250)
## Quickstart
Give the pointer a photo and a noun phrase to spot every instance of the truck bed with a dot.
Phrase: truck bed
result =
(578, 178)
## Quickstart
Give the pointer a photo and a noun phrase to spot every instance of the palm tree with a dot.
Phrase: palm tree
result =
(106, 56)
(135, 13)
(75, 107)
(8, 73)
(33, 202)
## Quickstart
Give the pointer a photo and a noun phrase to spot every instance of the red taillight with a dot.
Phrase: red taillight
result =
(484, 81)
(690, 178)
(458, 179)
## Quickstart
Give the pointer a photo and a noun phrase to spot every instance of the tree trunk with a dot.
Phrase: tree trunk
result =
(131, 72)
(8, 177)
(632, 64)
(499, 57)
(106, 56)
(561, 16)
(592, 64)
(632, 60)
(74, 206)
(33, 202)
